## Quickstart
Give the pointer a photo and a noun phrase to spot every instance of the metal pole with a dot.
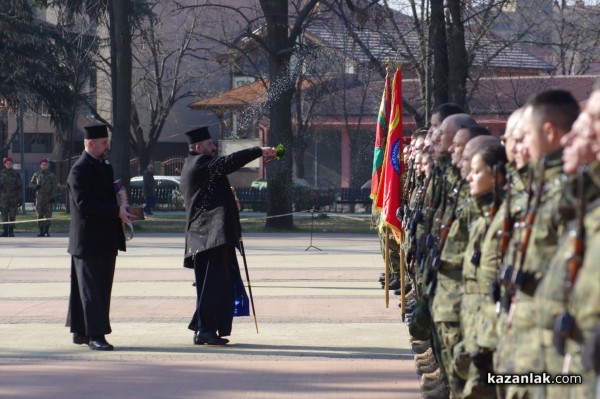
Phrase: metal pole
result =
(386, 257)
(248, 281)
(22, 148)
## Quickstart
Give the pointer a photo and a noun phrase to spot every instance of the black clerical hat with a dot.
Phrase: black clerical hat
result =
(197, 135)
(95, 131)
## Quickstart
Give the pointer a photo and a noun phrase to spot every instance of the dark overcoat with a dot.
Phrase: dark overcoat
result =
(212, 213)
(95, 228)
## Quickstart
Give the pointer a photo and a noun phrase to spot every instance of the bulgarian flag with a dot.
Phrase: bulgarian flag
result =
(389, 193)
(380, 136)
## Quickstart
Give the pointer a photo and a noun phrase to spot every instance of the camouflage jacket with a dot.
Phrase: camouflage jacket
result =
(453, 252)
(44, 184)
(10, 187)
(472, 257)
(546, 229)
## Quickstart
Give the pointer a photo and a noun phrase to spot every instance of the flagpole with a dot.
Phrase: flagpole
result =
(402, 278)
(387, 268)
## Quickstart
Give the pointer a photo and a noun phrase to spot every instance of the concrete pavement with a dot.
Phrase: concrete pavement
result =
(324, 331)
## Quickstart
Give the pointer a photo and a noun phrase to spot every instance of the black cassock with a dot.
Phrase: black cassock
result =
(213, 232)
(220, 291)
(95, 237)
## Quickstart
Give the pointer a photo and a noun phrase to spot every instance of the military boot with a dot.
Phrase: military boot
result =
(11, 231)
(42, 232)
(439, 392)
(425, 355)
(431, 380)
(5, 231)
(426, 368)
(419, 346)
(394, 283)
(47, 231)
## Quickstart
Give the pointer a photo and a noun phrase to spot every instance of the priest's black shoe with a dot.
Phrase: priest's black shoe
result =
(79, 339)
(209, 338)
(98, 343)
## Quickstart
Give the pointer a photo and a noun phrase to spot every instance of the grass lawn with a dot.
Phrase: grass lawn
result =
(167, 222)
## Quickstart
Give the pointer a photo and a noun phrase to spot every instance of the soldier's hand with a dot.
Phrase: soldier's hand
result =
(38, 187)
(51, 200)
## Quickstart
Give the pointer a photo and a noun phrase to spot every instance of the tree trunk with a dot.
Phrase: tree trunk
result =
(280, 112)
(438, 43)
(457, 56)
(120, 36)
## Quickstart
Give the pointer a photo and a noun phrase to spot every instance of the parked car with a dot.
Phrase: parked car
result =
(301, 196)
(167, 191)
(262, 183)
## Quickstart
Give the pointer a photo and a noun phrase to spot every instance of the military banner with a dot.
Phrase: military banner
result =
(380, 136)
(389, 195)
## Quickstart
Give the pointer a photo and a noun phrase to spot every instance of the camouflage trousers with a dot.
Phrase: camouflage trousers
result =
(9, 213)
(44, 210)
(591, 382)
(445, 308)
(394, 253)
(554, 363)
(526, 346)
(476, 385)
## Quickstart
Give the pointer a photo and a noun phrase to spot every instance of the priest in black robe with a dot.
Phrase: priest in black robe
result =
(212, 233)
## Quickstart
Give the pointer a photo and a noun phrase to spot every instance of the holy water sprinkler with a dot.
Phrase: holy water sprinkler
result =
(279, 151)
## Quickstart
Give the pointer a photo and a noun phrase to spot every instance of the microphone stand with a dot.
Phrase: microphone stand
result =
(312, 222)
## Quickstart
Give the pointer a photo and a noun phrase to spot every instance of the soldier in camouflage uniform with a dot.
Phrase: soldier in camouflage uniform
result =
(442, 285)
(44, 184)
(583, 343)
(484, 185)
(520, 171)
(424, 201)
(10, 196)
(572, 275)
(547, 117)
(492, 251)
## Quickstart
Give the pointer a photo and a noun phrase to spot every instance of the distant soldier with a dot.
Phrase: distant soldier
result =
(10, 196)
(149, 189)
(44, 183)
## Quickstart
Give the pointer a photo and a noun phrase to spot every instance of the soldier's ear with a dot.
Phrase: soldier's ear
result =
(553, 133)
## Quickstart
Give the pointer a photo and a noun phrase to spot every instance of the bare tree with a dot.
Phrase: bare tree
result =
(163, 42)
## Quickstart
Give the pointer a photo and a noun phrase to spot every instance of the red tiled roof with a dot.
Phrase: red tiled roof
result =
(251, 94)
(246, 95)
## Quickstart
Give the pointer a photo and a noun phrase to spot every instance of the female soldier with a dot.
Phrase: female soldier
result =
(486, 176)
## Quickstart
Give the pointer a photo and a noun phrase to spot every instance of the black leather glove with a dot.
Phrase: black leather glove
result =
(38, 187)
(51, 200)
(483, 360)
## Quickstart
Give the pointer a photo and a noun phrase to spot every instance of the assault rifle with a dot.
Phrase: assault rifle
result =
(406, 189)
(505, 274)
(564, 322)
(427, 240)
(444, 230)
(503, 239)
(507, 223)
(517, 276)
(413, 222)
